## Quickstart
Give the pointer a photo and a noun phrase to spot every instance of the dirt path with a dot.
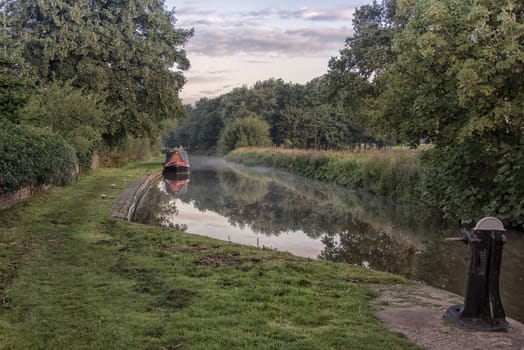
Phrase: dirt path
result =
(417, 311)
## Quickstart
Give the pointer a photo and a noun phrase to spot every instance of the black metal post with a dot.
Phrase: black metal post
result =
(482, 309)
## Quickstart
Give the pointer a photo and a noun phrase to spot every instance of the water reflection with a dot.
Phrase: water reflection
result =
(175, 182)
(264, 207)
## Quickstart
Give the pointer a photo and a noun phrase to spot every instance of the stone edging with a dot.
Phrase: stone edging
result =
(125, 204)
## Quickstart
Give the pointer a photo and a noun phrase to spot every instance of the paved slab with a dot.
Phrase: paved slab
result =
(417, 310)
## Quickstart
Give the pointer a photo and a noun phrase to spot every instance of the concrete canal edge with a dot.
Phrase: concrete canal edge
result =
(125, 204)
(413, 309)
(416, 311)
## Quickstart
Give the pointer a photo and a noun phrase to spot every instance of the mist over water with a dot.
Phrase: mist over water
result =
(267, 208)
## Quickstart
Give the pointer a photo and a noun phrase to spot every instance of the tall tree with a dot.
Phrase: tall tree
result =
(201, 129)
(357, 74)
(459, 81)
(125, 49)
(244, 132)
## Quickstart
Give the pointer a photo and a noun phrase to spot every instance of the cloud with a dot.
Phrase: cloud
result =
(193, 11)
(202, 79)
(259, 61)
(218, 90)
(195, 17)
(306, 41)
(266, 12)
(211, 92)
(305, 13)
(325, 15)
(206, 22)
(220, 21)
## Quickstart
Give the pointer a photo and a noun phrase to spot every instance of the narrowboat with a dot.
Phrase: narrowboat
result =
(177, 160)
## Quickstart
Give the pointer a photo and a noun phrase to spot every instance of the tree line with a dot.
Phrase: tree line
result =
(272, 112)
(91, 74)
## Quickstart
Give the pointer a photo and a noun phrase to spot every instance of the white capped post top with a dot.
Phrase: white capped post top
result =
(489, 224)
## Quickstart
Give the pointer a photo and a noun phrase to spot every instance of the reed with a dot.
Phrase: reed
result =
(392, 173)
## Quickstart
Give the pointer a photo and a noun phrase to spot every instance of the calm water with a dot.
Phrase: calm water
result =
(264, 207)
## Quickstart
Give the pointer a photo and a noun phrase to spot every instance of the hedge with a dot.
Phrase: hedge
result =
(31, 156)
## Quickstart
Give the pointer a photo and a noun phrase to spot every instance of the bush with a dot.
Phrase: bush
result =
(468, 180)
(72, 113)
(246, 132)
(31, 156)
(125, 150)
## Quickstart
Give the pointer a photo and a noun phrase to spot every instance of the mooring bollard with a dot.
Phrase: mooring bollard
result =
(482, 309)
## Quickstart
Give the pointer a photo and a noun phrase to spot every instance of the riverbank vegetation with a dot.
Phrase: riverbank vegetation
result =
(390, 173)
(73, 277)
(400, 174)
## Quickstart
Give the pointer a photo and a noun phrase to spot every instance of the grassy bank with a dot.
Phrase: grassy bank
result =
(72, 277)
(390, 173)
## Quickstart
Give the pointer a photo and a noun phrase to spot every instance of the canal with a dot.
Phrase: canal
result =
(267, 208)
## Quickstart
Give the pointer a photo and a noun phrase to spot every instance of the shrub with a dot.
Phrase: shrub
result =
(31, 156)
(244, 132)
(72, 113)
(125, 150)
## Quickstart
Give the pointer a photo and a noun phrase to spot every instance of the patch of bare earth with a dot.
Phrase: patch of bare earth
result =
(417, 311)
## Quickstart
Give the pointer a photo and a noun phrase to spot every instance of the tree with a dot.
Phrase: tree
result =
(244, 132)
(124, 49)
(458, 81)
(356, 76)
(14, 83)
(201, 129)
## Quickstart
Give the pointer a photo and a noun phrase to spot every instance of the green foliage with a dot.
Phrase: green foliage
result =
(76, 115)
(169, 140)
(508, 191)
(125, 150)
(247, 132)
(393, 174)
(491, 185)
(299, 116)
(31, 156)
(201, 129)
(14, 84)
(357, 75)
(125, 50)
(13, 93)
(469, 102)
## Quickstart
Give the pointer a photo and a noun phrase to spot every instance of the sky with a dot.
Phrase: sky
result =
(238, 43)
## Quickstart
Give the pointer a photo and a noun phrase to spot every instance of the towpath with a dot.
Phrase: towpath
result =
(417, 310)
